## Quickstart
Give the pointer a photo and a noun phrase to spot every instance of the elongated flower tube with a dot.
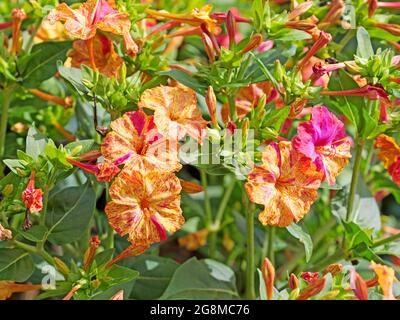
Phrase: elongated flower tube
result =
(253, 43)
(104, 171)
(323, 39)
(131, 251)
(191, 187)
(5, 25)
(18, 15)
(373, 5)
(371, 92)
(7, 288)
(389, 27)
(211, 102)
(94, 244)
(66, 102)
(334, 14)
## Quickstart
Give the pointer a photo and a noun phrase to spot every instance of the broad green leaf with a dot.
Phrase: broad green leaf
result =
(35, 143)
(74, 77)
(43, 64)
(35, 234)
(81, 146)
(155, 275)
(202, 279)
(69, 212)
(15, 264)
(14, 164)
(186, 80)
(364, 49)
(291, 35)
(297, 232)
(120, 278)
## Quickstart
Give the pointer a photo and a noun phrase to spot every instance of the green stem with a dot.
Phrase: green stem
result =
(270, 250)
(345, 40)
(44, 210)
(216, 226)
(381, 242)
(250, 286)
(354, 180)
(35, 250)
(33, 35)
(232, 107)
(110, 231)
(207, 204)
(7, 92)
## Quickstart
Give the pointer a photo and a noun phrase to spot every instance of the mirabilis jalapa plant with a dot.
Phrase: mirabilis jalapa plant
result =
(137, 140)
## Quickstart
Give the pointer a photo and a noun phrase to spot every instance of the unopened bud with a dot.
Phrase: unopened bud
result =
(358, 285)
(8, 189)
(293, 282)
(211, 102)
(279, 71)
(268, 273)
(61, 266)
(118, 296)
(231, 26)
(191, 187)
(253, 43)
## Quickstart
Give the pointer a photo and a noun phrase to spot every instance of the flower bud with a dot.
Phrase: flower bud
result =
(268, 273)
(293, 282)
(118, 296)
(211, 102)
(8, 189)
(253, 43)
(359, 286)
(61, 266)
(231, 26)
(191, 187)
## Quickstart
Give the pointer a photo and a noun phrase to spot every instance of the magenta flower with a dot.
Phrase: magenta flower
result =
(323, 139)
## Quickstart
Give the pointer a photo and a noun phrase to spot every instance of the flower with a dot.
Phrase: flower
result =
(285, 183)
(175, 111)
(194, 240)
(5, 234)
(389, 153)
(7, 288)
(106, 59)
(83, 22)
(323, 139)
(358, 285)
(309, 276)
(104, 171)
(136, 133)
(145, 205)
(32, 198)
(386, 278)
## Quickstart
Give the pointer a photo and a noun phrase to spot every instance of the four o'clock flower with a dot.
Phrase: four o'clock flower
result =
(7, 288)
(323, 139)
(145, 205)
(32, 197)
(135, 133)
(91, 16)
(386, 278)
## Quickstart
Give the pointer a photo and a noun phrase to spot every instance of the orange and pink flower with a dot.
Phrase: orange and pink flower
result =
(389, 153)
(323, 139)
(176, 113)
(145, 205)
(286, 183)
(135, 133)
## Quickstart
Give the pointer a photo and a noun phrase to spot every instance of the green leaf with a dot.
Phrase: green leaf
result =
(155, 275)
(291, 35)
(205, 279)
(15, 264)
(355, 235)
(262, 288)
(35, 234)
(185, 79)
(43, 64)
(35, 143)
(80, 147)
(120, 278)
(69, 212)
(297, 232)
(74, 77)
(13, 164)
(364, 48)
